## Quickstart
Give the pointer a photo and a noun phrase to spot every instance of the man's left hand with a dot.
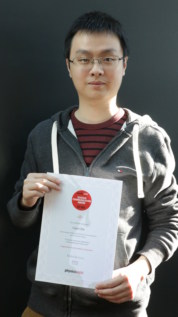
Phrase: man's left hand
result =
(123, 285)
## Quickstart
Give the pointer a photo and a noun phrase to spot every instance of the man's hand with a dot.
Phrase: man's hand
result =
(36, 185)
(122, 287)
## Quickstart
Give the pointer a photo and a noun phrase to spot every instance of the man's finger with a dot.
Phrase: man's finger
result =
(110, 283)
(43, 176)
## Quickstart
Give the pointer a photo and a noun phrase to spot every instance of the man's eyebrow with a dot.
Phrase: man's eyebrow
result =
(108, 50)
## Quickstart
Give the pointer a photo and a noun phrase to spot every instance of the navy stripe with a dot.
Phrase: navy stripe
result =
(94, 135)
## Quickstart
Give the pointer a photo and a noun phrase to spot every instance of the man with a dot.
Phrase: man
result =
(111, 142)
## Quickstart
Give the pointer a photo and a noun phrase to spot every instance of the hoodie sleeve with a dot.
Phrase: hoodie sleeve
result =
(24, 217)
(161, 203)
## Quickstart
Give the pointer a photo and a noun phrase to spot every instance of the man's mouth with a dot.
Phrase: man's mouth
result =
(96, 83)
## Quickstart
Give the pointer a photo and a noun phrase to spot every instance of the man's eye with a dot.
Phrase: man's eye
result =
(84, 60)
(108, 59)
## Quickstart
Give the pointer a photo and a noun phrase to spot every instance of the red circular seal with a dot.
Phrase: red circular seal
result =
(81, 200)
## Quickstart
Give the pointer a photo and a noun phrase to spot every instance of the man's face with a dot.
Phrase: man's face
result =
(97, 81)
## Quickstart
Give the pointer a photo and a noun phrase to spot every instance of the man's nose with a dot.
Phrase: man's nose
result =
(96, 67)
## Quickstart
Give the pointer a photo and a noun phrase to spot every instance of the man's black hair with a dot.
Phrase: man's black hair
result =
(96, 22)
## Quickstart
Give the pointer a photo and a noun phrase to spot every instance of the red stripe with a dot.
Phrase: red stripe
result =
(94, 138)
(92, 145)
(90, 152)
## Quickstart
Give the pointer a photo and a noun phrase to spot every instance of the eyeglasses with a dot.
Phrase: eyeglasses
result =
(87, 62)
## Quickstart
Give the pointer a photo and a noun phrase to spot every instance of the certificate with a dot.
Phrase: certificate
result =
(79, 231)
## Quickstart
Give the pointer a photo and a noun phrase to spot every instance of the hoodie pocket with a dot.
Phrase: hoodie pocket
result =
(121, 256)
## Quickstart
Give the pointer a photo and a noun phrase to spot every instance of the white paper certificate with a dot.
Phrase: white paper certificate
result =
(79, 231)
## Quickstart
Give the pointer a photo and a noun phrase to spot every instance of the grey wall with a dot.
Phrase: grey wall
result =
(34, 84)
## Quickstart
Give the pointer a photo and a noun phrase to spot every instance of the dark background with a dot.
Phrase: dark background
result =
(34, 84)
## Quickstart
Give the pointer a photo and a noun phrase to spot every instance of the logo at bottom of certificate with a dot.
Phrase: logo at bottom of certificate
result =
(73, 271)
(81, 200)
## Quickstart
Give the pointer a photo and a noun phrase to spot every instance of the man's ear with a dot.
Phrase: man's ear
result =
(125, 60)
(68, 67)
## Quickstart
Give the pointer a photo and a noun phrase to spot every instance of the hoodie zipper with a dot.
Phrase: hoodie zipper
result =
(69, 301)
(87, 171)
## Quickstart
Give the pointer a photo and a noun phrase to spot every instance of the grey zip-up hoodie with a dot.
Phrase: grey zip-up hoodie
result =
(140, 155)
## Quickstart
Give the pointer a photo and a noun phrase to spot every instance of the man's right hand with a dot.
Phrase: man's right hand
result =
(36, 185)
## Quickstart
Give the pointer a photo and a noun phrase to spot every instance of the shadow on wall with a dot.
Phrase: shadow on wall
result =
(164, 290)
(16, 245)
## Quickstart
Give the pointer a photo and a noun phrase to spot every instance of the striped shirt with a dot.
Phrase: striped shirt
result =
(94, 137)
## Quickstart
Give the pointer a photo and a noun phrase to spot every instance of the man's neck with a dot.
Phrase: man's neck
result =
(93, 114)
